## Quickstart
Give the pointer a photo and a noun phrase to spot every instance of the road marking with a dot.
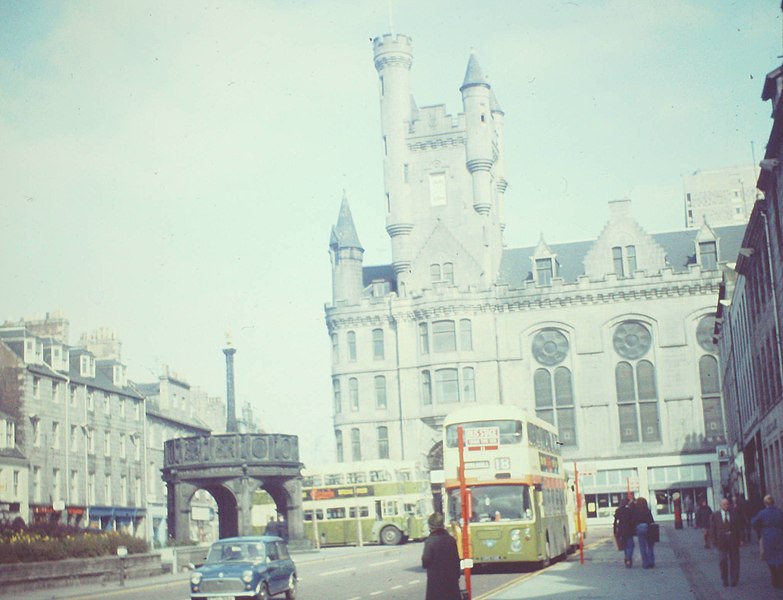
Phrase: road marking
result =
(413, 582)
(396, 587)
(355, 598)
(337, 572)
(385, 562)
(375, 593)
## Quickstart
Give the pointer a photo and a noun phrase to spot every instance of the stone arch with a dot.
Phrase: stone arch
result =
(232, 467)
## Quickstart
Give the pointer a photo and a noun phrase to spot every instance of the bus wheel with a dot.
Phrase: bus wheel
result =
(547, 553)
(390, 536)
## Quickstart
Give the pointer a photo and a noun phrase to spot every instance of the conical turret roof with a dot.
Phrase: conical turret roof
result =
(344, 232)
(473, 74)
(494, 105)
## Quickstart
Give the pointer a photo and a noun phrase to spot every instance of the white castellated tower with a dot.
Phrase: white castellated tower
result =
(444, 179)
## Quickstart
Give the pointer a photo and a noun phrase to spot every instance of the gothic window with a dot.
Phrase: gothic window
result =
(353, 393)
(444, 336)
(637, 394)
(338, 439)
(709, 379)
(435, 273)
(351, 346)
(380, 392)
(552, 385)
(338, 403)
(465, 335)
(468, 384)
(544, 271)
(708, 252)
(356, 445)
(426, 388)
(383, 442)
(377, 344)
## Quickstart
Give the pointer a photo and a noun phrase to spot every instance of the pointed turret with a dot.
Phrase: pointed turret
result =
(347, 256)
(344, 232)
(473, 74)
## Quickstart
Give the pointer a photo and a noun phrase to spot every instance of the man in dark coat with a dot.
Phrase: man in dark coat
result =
(441, 559)
(725, 531)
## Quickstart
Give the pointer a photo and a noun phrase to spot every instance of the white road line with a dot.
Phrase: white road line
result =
(375, 593)
(396, 587)
(413, 582)
(385, 562)
(337, 572)
(355, 598)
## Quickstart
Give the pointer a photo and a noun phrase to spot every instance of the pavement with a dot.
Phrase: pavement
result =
(684, 570)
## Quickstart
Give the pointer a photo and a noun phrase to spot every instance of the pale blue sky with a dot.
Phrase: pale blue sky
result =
(172, 169)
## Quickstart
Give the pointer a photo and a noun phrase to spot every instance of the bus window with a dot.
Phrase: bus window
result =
(333, 479)
(358, 477)
(403, 476)
(312, 481)
(410, 509)
(308, 515)
(380, 476)
(335, 513)
(494, 503)
(390, 508)
(363, 512)
(510, 431)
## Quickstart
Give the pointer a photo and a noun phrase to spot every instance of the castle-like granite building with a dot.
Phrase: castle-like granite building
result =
(610, 339)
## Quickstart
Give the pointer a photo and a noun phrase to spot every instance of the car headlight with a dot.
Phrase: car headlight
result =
(196, 578)
(247, 576)
(515, 534)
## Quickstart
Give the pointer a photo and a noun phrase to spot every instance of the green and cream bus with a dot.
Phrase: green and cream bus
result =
(515, 483)
(378, 501)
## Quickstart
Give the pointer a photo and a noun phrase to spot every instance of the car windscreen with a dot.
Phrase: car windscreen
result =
(235, 551)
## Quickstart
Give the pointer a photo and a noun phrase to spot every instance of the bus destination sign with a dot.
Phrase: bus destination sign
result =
(482, 438)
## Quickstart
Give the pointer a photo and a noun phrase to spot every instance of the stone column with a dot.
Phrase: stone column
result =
(295, 513)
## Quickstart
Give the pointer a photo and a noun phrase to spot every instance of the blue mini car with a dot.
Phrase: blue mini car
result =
(255, 567)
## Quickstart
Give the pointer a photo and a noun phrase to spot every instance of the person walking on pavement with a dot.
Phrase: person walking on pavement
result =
(703, 520)
(624, 529)
(688, 503)
(725, 535)
(441, 560)
(769, 522)
(642, 519)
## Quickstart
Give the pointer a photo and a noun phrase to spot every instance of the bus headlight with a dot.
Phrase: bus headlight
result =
(516, 541)
(247, 576)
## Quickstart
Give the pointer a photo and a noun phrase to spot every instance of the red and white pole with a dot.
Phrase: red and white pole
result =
(465, 500)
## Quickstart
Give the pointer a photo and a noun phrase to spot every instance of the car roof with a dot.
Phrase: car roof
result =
(250, 538)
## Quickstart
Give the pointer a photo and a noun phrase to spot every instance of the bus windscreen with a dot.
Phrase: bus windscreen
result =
(493, 503)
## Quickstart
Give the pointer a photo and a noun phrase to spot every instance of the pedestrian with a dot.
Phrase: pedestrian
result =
(642, 518)
(441, 560)
(725, 534)
(703, 521)
(743, 509)
(688, 502)
(769, 524)
(624, 529)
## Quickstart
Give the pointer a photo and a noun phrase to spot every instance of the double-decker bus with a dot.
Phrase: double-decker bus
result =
(515, 483)
(380, 501)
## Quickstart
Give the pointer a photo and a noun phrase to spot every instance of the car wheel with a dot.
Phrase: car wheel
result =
(291, 592)
(263, 592)
(390, 536)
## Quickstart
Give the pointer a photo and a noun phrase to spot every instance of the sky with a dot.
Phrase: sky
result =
(171, 170)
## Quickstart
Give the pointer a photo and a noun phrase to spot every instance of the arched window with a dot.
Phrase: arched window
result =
(338, 439)
(383, 442)
(377, 344)
(542, 385)
(351, 335)
(564, 403)
(552, 384)
(356, 445)
(338, 403)
(380, 392)
(623, 377)
(353, 393)
(709, 378)
(637, 392)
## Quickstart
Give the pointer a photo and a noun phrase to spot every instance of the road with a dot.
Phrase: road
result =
(369, 573)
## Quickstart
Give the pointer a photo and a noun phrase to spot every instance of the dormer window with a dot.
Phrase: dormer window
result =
(624, 261)
(544, 271)
(617, 259)
(118, 375)
(630, 259)
(708, 255)
(442, 273)
(86, 365)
